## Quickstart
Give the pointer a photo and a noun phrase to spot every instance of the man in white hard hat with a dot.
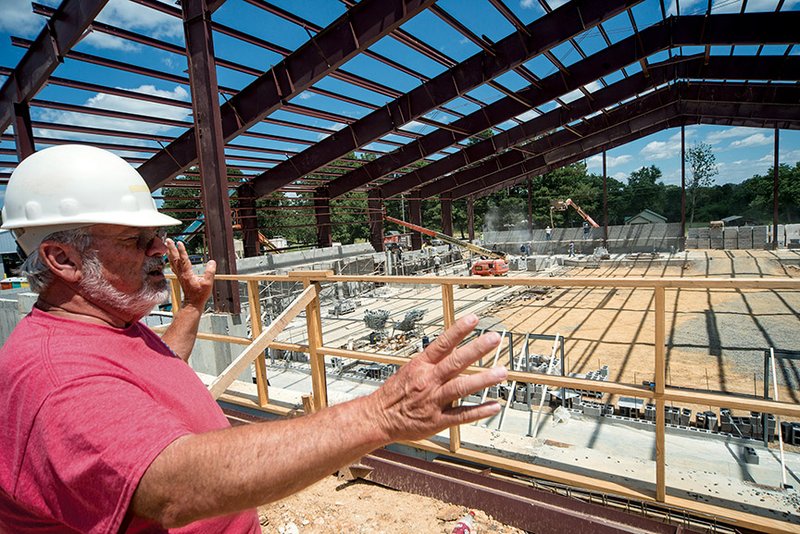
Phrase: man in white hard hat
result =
(106, 427)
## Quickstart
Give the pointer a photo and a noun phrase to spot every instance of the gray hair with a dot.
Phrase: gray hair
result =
(33, 268)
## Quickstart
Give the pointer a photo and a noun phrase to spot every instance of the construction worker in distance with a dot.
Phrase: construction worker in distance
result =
(107, 429)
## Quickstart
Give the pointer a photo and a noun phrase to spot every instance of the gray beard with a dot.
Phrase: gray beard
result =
(137, 304)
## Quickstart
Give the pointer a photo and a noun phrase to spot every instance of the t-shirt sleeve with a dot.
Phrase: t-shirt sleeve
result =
(90, 444)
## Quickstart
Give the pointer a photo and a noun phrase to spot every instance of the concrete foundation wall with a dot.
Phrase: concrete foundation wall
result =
(663, 237)
(322, 258)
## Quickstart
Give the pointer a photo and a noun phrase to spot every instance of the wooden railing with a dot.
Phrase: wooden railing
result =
(660, 394)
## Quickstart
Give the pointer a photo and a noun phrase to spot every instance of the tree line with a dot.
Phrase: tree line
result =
(292, 215)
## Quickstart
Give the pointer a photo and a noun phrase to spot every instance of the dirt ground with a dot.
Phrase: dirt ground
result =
(334, 507)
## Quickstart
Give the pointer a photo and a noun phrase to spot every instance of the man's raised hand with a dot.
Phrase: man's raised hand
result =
(416, 402)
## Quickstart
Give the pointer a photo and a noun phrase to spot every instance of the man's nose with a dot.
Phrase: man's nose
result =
(156, 247)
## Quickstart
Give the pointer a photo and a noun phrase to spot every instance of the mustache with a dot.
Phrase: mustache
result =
(153, 264)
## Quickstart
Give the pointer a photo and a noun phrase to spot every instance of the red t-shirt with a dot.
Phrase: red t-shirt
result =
(87, 408)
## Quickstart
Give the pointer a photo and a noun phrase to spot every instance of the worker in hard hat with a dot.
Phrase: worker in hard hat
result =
(107, 429)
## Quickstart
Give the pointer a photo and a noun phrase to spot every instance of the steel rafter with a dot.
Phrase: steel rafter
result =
(511, 51)
(706, 102)
(717, 29)
(694, 67)
(351, 33)
(61, 32)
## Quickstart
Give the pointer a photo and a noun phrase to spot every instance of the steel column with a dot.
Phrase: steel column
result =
(447, 213)
(775, 174)
(605, 202)
(322, 213)
(375, 213)
(683, 182)
(23, 132)
(415, 217)
(210, 148)
(530, 209)
(471, 218)
(248, 220)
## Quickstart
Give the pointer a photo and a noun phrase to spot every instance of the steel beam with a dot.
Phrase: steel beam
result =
(543, 33)
(514, 503)
(210, 147)
(674, 114)
(672, 32)
(693, 67)
(23, 131)
(354, 31)
(62, 31)
(621, 90)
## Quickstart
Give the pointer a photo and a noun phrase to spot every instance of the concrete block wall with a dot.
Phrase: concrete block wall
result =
(731, 238)
(662, 237)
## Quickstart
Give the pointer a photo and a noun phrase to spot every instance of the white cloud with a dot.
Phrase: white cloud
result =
(305, 95)
(611, 161)
(758, 139)
(136, 17)
(110, 42)
(123, 104)
(619, 176)
(19, 19)
(528, 4)
(661, 149)
(729, 133)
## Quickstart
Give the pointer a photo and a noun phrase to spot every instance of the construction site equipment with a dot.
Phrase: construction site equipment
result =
(376, 320)
(69, 186)
(558, 205)
(450, 240)
(490, 268)
(409, 322)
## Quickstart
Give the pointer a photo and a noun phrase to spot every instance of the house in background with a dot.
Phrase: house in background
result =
(738, 220)
(646, 217)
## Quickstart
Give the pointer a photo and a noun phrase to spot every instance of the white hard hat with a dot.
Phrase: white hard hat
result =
(70, 186)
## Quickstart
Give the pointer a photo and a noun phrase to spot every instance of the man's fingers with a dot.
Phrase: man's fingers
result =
(449, 340)
(462, 415)
(464, 385)
(211, 270)
(466, 355)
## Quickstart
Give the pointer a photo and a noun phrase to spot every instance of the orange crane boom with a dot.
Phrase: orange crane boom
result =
(561, 206)
(448, 239)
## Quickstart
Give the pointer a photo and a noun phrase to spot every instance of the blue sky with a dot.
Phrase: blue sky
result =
(740, 152)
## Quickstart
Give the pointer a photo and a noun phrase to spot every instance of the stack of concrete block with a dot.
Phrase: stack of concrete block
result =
(759, 237)
(702, 238)
(730, 237)
(745, 237)
(716, 241)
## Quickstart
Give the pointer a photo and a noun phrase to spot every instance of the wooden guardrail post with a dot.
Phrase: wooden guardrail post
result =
(319, 383)
(660, 378)
(175, 295)
(254, 300)
(449, 316)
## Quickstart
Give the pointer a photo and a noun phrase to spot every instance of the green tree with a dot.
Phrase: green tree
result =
(703, 166)
(644, 190)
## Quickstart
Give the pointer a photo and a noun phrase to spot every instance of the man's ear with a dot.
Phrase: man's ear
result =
(64, 261)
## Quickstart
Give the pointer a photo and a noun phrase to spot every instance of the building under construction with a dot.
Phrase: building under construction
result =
(653, 368)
